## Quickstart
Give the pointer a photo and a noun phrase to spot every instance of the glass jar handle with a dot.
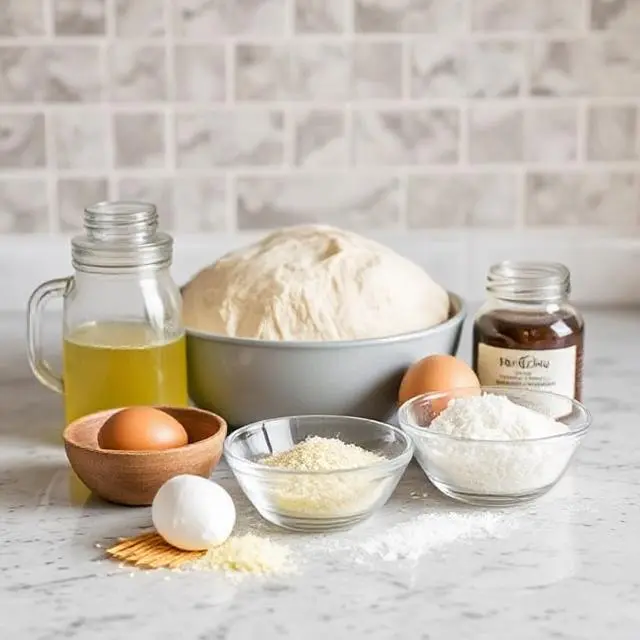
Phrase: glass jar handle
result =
(41, 368)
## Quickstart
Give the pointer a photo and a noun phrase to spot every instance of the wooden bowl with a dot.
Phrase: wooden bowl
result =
(133, 477)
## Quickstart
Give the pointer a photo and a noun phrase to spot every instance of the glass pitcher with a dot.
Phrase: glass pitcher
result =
(123, 338)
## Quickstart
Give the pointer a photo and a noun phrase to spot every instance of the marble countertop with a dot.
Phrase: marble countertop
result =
(566, 566)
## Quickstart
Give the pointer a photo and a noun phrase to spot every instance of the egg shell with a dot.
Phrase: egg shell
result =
(437, 373)
(193, 513)
(142, 429)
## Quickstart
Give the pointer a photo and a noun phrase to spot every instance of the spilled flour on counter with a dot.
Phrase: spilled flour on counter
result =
(412, 539)
(416, 536)
(247, 554)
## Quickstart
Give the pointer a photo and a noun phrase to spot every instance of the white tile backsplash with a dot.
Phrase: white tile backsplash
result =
(469, 117)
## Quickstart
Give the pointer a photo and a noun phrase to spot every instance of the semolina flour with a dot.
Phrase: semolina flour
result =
(331, 495)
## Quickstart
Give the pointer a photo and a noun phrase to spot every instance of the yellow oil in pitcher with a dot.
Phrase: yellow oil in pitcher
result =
(116, 364)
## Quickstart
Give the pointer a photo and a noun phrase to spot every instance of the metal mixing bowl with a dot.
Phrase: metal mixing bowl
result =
(246, 380)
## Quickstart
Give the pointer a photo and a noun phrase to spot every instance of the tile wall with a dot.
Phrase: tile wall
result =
(373, 114)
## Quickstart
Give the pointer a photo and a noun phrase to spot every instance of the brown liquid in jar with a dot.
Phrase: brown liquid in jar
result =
(535, 331)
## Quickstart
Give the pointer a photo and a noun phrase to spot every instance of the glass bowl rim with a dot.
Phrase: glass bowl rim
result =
(390, 464)
(424, 432)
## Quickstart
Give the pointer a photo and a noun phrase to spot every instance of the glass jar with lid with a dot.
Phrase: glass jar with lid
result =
(123, 337)
(528, 334)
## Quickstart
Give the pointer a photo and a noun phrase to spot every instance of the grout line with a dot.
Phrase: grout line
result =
(464, 138)
(582, 133)
(350, 44)
(349, 136)
(523, 98)
(170, 143)
(289, 137)
(348, 119)
(349, 17)
(110, 148)
(51, 163)
(311, 37)
(281, 171)
(170, 146)
(229, 74)
(586, 16)
(110, 18)
(169, 57)
(231, 91)
(521, 199)
(527, 73)
(467, 19)
(636, 142)
(367, 103)
(167, 21)
(107, 113)
(110, 154)
(609, 237)
(350, 52)
(48, 20)
(406, 49)
(289, 18)
(231, 201)
(105, 46)
(403, 201)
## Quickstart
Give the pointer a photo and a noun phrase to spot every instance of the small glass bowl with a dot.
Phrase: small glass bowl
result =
(495, 472)
(317, 500)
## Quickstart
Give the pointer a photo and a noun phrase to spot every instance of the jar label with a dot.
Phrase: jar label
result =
(543, 370)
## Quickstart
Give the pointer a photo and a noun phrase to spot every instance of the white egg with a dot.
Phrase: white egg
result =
(193, 513)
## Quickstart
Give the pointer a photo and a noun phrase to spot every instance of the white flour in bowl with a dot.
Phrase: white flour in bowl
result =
(493, 417)
(519, 465)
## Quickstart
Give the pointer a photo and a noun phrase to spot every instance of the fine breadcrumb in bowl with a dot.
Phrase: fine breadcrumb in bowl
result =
(322, 454)
(324, 495)
(318, 473)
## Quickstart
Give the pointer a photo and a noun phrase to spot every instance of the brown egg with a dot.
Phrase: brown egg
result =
(436, 374)
(142, 429)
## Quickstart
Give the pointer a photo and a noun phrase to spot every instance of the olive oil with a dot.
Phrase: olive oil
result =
(117, 364)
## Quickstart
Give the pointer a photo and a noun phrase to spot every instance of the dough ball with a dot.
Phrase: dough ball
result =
(313, 282)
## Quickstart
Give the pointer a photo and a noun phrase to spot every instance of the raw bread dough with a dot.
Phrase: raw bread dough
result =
(313, 282)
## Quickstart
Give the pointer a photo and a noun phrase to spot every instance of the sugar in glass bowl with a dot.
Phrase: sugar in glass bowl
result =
(495, 472)
(317, 500)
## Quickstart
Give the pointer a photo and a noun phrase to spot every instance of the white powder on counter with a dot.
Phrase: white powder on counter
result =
(513, 462)
(247, 554)
(411, 540)
(419, 527)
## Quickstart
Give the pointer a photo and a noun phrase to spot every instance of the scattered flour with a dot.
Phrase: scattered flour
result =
(247, 554)
(412, 539)
(415, 528)
(509, 461)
